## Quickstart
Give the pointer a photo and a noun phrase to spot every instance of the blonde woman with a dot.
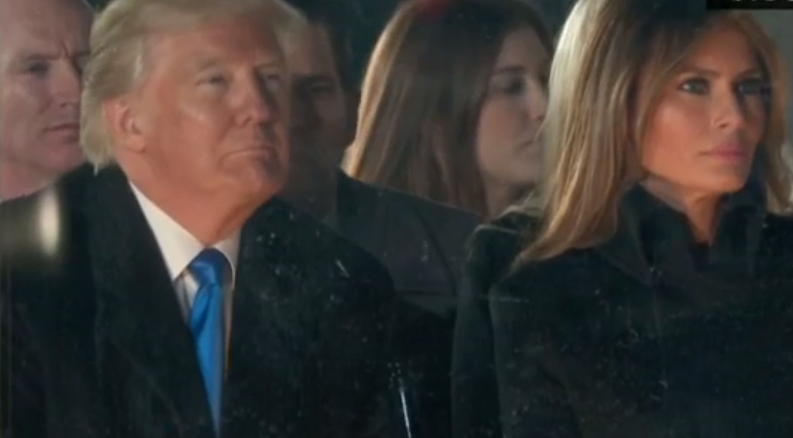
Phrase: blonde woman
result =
(652, 296)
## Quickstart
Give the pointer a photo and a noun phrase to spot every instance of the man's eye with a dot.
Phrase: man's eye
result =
(37, 68)
(272, 81)
(321, 89)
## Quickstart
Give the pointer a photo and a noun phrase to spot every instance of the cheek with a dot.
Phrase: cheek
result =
(502, 130)
(199, 124)
(756, 118)
(332, 113)
(675, 137)
(21, 116)
(25, 101)
(202, 119)
(490, 133)
(185, 136)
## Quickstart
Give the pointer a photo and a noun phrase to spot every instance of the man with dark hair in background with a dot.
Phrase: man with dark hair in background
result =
(422, 243)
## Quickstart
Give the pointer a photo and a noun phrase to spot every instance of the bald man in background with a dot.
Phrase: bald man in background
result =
(43, 47)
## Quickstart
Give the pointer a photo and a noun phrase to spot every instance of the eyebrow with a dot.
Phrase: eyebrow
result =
(314, 78)
(29, 56)
(207, 63)
(508, 69)
(545, 64)
(752, 71)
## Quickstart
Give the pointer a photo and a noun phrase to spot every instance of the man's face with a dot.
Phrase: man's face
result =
(43, 47)
(210, 116)
(321, 119)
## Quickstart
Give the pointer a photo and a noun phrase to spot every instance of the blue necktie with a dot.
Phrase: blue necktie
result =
(206, 324)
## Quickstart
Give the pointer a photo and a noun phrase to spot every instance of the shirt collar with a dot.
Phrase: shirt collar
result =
(177, 245)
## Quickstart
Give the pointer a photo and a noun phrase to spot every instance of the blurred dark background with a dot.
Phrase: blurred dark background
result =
(374, 14)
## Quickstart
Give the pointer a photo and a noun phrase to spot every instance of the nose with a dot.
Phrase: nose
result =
(259, 102)
(538, 102)
(304, 114)
(729, 112)
(67, 84)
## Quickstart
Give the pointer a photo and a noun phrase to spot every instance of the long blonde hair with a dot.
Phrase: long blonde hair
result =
(594, 120)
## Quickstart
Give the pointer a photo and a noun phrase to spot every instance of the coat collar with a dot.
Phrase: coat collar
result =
(648, 230)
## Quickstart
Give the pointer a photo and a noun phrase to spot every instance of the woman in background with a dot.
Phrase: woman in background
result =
(452, 102)
(653, 297)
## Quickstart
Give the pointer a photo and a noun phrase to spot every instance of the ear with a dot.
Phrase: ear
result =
(123, 124)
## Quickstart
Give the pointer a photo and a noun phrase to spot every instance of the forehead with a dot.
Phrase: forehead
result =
(522, 47)
(235, 41)
(723, 48)
(311, 52)
(37, 24)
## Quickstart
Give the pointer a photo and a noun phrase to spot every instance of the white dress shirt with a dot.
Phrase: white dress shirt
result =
(179, 248)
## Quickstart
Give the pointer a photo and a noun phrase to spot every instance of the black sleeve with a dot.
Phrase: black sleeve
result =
(535, 403)
(475, 409)
(489, 398)
(475, 397)
(22, 398)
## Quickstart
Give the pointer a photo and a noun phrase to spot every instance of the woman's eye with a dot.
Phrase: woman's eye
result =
(752, 87)
(695, 86)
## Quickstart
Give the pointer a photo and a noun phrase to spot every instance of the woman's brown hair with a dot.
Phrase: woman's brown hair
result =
(422, 95)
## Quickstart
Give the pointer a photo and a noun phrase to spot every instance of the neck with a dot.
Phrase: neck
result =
(700, 209)
(19, 180)
(210, 218)
(500, 197)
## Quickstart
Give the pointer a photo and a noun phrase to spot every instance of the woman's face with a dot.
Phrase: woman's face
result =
(709, 120)
(507, 149)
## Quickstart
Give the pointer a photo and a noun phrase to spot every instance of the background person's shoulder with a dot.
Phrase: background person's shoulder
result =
(36, 230)
(314, 244)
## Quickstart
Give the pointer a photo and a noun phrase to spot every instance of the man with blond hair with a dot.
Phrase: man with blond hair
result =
(189, 302)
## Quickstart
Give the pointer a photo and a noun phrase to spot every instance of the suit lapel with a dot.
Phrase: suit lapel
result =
(139, 321)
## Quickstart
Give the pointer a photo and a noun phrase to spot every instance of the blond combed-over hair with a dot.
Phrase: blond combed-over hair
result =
(120, 38)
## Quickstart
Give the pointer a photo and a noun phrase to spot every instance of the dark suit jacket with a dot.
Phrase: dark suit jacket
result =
(99, 348)
(646, 335)
(422, 244)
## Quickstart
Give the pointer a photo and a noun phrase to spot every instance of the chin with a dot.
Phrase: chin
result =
(258, 181)
(729, 184)
(64, 160)
(722, 187)
(266, 184)
(525, 179)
